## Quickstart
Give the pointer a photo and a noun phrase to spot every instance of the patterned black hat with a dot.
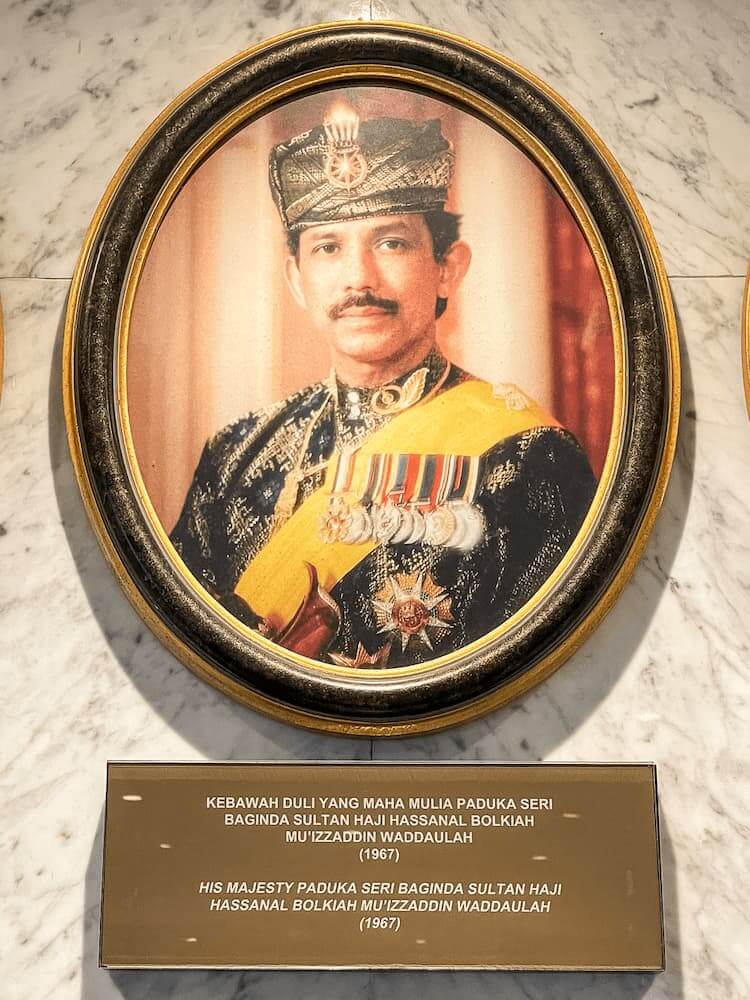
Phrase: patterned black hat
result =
(347, 169)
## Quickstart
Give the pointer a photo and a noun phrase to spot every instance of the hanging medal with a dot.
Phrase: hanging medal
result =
(407, 499)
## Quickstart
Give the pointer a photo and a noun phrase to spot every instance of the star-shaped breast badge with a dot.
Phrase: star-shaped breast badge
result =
(409, 605)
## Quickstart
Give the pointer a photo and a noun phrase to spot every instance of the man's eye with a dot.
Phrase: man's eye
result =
(393, 244)
(326, 248)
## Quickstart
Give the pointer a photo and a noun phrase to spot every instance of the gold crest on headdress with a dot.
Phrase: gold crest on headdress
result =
(345, 166)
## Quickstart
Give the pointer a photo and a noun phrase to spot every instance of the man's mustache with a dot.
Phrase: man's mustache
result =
(362, 299)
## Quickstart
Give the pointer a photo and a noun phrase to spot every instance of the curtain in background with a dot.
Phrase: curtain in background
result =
(583, 356)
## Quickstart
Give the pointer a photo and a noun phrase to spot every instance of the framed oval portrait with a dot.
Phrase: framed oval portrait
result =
(371, 378)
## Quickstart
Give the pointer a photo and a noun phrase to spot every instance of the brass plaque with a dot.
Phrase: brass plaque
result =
(496, 866)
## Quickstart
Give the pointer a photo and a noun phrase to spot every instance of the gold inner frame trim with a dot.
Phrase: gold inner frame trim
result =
(543, 158)
(197, 155)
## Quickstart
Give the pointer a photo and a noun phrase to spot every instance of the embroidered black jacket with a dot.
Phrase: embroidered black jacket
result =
(534, 490)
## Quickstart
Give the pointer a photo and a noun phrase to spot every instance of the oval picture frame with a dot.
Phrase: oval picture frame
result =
(538, 636)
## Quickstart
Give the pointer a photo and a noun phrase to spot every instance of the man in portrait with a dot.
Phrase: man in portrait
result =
(403, 507)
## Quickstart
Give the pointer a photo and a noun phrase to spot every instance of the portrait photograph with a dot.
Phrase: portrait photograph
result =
(370, 377)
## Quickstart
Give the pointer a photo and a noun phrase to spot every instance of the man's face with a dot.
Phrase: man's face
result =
(370, 287)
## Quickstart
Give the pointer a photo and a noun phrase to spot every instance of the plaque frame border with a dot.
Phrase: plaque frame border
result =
(651, 766)
(251, 669)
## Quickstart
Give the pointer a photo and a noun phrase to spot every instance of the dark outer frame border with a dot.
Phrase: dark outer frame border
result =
(648, 375)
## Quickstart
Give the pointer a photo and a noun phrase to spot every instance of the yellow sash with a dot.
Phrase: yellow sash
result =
(465, 420)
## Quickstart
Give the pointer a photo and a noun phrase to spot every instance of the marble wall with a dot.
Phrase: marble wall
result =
(665, 677)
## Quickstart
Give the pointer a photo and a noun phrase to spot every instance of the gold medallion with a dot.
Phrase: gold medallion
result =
(440, 525)
(410, 604)
(359, 526)
(336, 521)
(346, 170)
(386, 520)
(345, 166)
(392, 398)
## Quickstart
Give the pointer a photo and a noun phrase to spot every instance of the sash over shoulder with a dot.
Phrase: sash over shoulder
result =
(468, 419)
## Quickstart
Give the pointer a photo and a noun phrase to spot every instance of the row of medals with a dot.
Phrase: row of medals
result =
(454, 524)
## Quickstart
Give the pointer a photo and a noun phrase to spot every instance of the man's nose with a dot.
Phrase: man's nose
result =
(360, 271)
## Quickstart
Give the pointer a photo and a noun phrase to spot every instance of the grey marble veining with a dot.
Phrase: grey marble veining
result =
(664, 678)
(70, 597)
(80, 81)
(665, 85)
(680, 625)
(84, 679)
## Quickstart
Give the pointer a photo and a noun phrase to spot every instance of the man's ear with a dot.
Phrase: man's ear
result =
(294, 280)
(453, 267)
